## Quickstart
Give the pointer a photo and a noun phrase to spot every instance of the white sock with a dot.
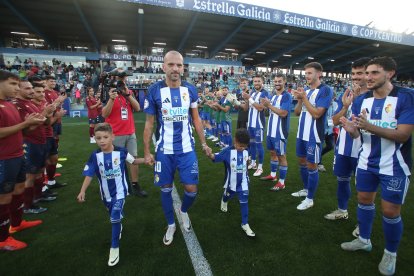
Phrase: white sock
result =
(260, 167)
(51, 182)
(282, 181)
(273, 174)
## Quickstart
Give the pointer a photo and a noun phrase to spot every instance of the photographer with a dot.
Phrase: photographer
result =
(118, 113)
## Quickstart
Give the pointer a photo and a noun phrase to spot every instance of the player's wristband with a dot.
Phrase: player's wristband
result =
(251, 101)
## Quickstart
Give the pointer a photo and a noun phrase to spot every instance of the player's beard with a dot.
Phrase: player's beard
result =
(376, 84)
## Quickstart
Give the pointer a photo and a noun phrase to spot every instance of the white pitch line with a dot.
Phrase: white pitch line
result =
(200, 263)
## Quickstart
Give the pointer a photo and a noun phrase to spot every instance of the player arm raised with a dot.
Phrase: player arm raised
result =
(281, 112)
(316, 112)
(107, 109)
(33, 119)
(259, 107)
(400, 135)
(347, 99)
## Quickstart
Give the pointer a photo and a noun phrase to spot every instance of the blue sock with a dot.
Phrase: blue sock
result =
(244, 207)
(304, 176)
(167, 205)
(393, 228)
(188, 200)
(273, 167)
(260, 149)
(282, 172)
(343, 192)
(365, 215)
(116, 230)
(313, 179)
(253, 150)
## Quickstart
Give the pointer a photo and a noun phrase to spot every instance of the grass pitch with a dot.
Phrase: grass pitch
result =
(74, 238)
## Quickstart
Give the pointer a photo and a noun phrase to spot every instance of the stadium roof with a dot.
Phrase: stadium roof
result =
(183, 26)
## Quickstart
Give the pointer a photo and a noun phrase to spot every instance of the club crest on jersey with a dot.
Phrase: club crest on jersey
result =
(116, 161)
(184, 96)
(388, 108)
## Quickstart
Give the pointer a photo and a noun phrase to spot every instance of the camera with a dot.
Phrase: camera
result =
(108, 81)
(118, 85)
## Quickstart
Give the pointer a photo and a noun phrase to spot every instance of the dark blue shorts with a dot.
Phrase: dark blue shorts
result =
(256, 134)
(51, 146)
(12, 171)
(167, 164)
(115, 209)
(309, 149)
(344, 165)
(35, 155)
(393, 188)
(276, 144)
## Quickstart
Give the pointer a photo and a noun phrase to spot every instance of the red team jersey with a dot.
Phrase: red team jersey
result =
(92, 112)
(10, 146)
(121, 126)
(51, 96)
(26, 107)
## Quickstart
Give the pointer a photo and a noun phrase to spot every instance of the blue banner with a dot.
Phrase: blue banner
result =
(254, 12)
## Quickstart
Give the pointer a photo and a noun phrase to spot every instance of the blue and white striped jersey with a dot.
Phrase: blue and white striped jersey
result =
(257, 118)
(346, 145)
(237, 178)
(311, 129)
(110, 170)
(381, 155)
(278, 127)
(172, 108)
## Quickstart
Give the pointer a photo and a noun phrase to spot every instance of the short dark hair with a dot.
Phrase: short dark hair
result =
(34, 79)
(388, 63)
(259, 76)
(242, 136)
(361, 62)
(225, 87)
(50, 78)
(280, 75)
(36, 84)
(315, 65)
(243, 79)
(103, 127)
(5, 75)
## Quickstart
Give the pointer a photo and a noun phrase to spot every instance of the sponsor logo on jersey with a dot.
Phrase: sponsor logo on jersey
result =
(174, 114)
(111, 173)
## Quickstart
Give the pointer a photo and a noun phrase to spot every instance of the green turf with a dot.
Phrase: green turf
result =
(75, 238)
